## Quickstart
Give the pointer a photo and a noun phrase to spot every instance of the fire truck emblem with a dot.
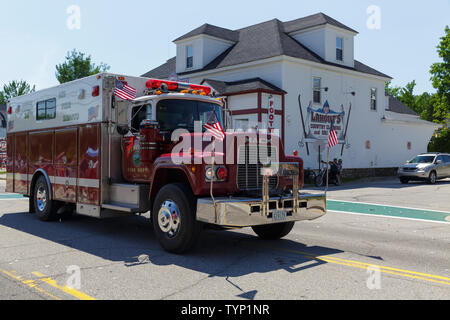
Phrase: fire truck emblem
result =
(137, 159)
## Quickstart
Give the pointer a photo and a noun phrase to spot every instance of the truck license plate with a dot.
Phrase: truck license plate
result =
(279, 215)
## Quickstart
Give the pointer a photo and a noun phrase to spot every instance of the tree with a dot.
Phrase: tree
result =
(78, 66)
(406, 96)
(15, 89)
(441, 142)
(440, 76)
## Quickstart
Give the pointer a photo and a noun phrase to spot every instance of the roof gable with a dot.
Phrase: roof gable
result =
(313, 21)
(213, 31)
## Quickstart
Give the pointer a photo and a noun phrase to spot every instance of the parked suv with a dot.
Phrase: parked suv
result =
(428, 166)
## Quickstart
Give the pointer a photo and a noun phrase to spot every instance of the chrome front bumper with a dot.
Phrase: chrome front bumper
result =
(414, 174)
(247, 212)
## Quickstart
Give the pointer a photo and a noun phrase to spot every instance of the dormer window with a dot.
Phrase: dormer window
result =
(189, 57)
(339, 49)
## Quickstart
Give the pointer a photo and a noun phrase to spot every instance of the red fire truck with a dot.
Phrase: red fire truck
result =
(111, 145)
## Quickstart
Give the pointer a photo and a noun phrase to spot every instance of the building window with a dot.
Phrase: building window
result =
(46, 110)
(316, 90)
(189, 57)
(373, 99)
(241, 124)
(339, 49)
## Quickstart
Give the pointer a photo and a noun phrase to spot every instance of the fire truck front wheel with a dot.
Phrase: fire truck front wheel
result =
(273, 231)
(44, 207)
(173, 217)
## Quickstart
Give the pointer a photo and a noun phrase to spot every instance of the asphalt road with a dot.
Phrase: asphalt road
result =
(340, 256)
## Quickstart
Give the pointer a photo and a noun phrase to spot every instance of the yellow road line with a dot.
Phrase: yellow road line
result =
(363, 265)
(30, 283)
(66, 289)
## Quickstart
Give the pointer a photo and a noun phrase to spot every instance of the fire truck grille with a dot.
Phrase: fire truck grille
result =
(249, 176)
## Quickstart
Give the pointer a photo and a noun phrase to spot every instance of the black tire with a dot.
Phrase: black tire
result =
(337, 182)
(184, 228)
(45, 209)
(273, 231)
(319, 181)
(432, 178)
(404, 180)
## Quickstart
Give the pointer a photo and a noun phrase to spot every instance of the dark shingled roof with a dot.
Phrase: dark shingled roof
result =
(398, 107)
(163, 71)
(227, 88)
(314, 20)
(213, 31)
(266, 40)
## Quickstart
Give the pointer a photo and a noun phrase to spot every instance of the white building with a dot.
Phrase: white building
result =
(275, 62)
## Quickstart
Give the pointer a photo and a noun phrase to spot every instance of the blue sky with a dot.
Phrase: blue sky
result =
(135, 36)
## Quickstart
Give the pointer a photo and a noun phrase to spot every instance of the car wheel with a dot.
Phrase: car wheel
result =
(273, 231)
(319, 181)
(404, 180)
(174, 218)
(432, 178)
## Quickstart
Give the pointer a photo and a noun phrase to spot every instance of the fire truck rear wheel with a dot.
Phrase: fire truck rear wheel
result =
(174, 219)
(273, 231)
(45, 208)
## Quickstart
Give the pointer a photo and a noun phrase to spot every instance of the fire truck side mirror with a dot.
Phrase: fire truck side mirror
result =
(122, 117)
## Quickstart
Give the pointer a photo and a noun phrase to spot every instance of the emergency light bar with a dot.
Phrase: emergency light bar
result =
(175, 86)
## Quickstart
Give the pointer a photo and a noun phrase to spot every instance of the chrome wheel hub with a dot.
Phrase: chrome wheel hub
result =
(41, 198)
(169, 218)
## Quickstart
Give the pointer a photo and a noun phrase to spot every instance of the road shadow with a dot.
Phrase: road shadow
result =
(391, 183)
(131, 240)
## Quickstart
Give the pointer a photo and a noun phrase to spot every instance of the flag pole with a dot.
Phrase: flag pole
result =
(212, 178)
(213, 154)
(328, 168)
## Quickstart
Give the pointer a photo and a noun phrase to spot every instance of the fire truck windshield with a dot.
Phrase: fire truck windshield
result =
(173, 114)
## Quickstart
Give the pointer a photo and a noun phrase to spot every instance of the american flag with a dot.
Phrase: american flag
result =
(332, 138)
(216, 130)
(124, 91)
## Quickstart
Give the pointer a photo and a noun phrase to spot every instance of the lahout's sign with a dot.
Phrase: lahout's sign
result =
(317, 123)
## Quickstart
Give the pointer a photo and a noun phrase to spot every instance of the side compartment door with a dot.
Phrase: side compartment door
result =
(21, 164)
(40, 151)
(66, 165)
(11, 142)
(89, 165)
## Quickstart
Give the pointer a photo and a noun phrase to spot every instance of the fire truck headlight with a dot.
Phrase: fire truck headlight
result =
(219, 174)
(209, 174)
